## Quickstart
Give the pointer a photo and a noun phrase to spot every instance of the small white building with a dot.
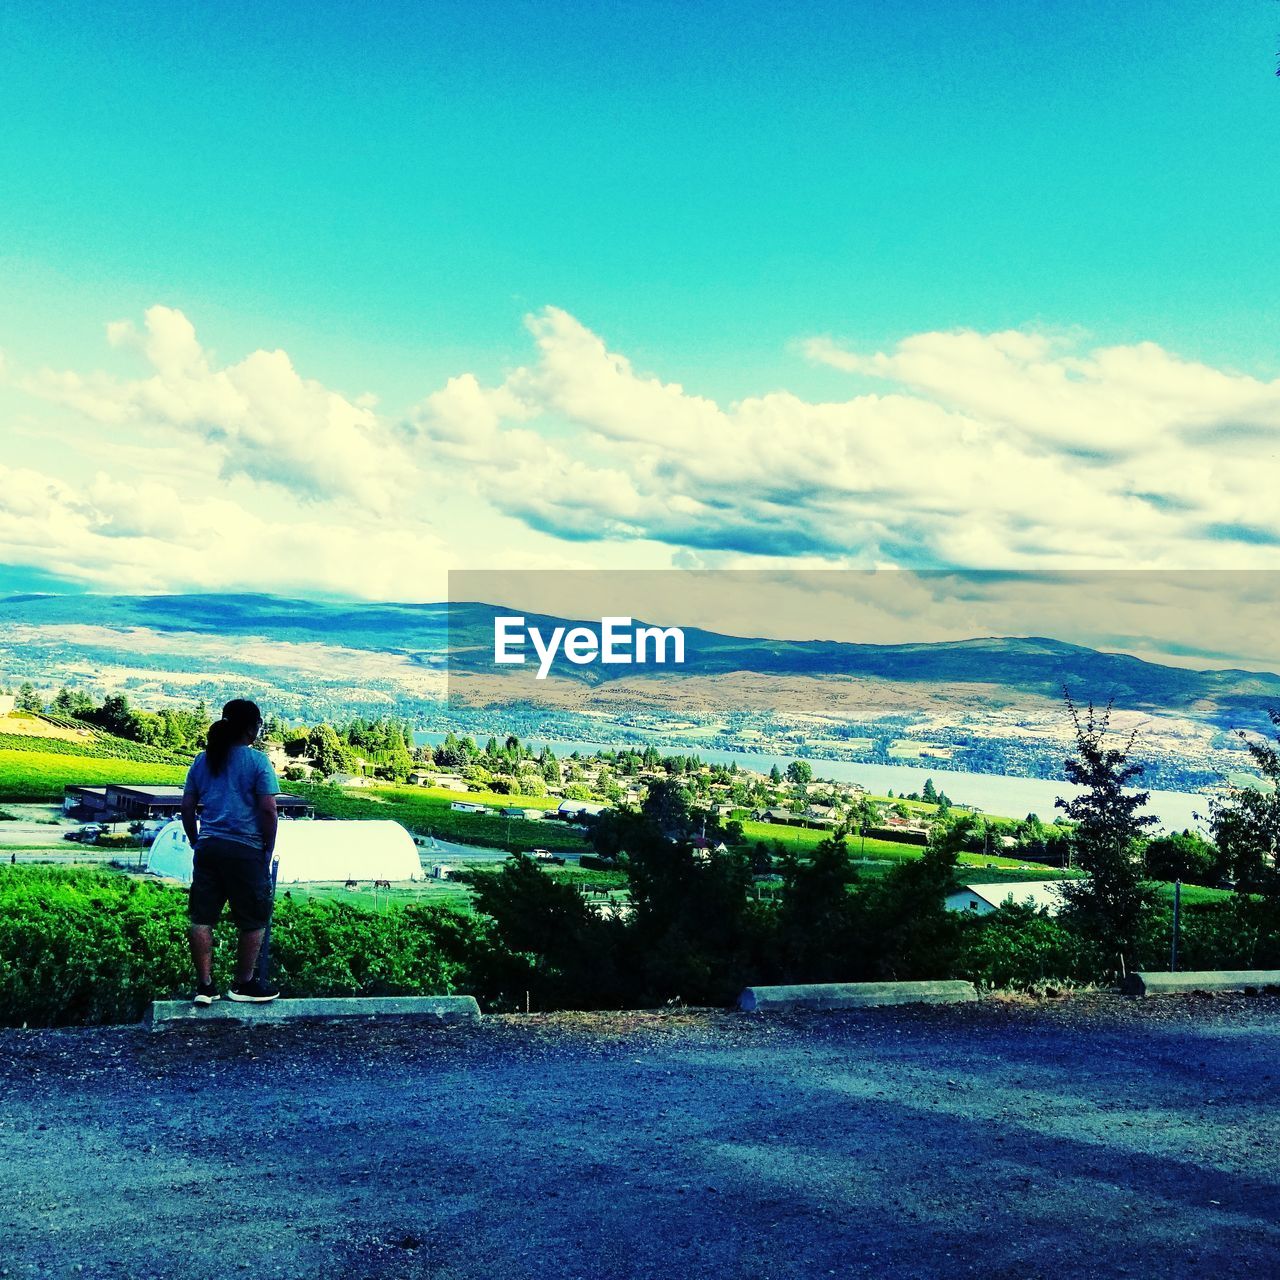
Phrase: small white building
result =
(983, 899)
(466, 806)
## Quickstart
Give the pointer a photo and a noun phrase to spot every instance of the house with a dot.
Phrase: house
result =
(574, 810)
(349, 780)
(116, 802)
(983, 899)
(704, 848)
(820, 815)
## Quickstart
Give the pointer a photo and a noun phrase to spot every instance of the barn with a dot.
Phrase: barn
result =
(309, 851)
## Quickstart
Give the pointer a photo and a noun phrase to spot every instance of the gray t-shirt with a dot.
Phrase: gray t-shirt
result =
(229, 800)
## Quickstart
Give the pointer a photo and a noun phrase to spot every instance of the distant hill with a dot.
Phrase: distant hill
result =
(987, 703)
(1033, 664)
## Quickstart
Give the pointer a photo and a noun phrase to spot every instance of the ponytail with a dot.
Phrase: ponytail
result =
(239, 717)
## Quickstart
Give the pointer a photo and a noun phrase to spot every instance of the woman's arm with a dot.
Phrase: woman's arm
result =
(268, 820)
(190, 799)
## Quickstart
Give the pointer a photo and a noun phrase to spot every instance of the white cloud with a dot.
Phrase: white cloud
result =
(260, 416)
(1007, 450)
(999, 450)
(144, 537)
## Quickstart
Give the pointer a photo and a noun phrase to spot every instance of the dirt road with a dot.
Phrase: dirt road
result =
(1092, 1137)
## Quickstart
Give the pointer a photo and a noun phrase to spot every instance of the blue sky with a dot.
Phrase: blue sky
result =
(745, 204)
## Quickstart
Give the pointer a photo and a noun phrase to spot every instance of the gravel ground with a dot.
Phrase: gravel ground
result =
(1084, 1138)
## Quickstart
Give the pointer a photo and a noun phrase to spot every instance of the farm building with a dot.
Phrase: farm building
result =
(983, 899)
(468, 806)
(116, 802)
(519, 811)
(574, 809)
(309, 851)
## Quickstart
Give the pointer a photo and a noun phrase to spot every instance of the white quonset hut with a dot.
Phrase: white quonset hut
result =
(311, 851)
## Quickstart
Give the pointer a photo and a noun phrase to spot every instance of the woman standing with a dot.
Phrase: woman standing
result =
(234, 788)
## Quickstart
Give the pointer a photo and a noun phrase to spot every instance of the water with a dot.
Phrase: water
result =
(994, 793)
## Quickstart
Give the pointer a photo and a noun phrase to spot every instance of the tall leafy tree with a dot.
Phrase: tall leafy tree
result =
(1246, 827)
(1109, 829)
(799, 773)
(28, 699)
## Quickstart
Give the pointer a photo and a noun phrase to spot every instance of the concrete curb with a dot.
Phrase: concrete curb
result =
(1156, 984)
(440, 1009)
(853, 995)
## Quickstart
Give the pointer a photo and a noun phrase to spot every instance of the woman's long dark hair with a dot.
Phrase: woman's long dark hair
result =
(239, 716)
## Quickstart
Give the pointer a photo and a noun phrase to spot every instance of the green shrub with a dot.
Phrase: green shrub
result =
(85, 946)
(82, 946)
(1018, 946)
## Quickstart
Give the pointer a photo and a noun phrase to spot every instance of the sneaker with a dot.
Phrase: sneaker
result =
(205, 994)
(255, 991)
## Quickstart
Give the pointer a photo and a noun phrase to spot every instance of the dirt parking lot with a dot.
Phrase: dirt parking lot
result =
(1090, 1137)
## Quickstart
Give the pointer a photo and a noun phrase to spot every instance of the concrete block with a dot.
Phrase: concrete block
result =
(1156, 984)
(853, 995)
(164, 1013)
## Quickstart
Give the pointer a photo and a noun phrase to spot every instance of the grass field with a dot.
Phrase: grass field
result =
(426, 811)
(799, 839)
(36, 776)
(1194, 894)
(431, 893)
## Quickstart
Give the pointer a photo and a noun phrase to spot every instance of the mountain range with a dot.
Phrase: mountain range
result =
(981, 703)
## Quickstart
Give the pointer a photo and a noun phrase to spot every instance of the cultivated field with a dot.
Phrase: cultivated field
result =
(40, 775)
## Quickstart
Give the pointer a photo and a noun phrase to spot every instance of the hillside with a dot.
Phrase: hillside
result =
(989, 704)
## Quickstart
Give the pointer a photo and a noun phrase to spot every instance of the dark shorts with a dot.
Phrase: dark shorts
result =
(224, 871)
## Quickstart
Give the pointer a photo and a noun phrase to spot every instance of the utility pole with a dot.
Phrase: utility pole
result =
(1177, 911)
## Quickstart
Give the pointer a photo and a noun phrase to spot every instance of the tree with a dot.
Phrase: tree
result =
(799, 773)
(667, 807)
(28, 699)
(571, 952)
(1109, 841)
(328, 755)
(775, 775)
(1183, 856)
(815, 925)
(929, 795)
(399, 759)
(1246, 827)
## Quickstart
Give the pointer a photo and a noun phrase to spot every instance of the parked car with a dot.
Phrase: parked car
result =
(86, 834)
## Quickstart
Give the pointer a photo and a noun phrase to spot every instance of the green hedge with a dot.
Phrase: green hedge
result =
(84, 946)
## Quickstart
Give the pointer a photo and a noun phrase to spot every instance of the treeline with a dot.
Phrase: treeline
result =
(174, 730)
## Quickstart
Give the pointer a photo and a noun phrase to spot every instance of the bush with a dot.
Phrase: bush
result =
(1018, 946)
(1183, 856)
(82, 946)
(86, 947)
